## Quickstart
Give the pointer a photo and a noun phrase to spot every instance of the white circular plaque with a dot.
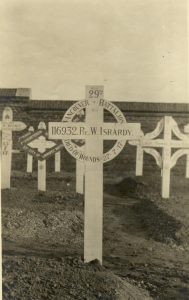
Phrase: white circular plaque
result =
(74, 149)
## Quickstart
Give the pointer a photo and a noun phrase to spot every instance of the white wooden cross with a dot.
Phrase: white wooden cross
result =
(94, 131)
(7, 125)
(41, 144)
(140, 149)
(30, 159)
(166, 162)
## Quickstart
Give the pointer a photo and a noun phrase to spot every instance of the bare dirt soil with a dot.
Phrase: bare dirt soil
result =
(145, 240)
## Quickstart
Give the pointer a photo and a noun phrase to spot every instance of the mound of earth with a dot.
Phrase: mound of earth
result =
(69, 278)
(128, 186)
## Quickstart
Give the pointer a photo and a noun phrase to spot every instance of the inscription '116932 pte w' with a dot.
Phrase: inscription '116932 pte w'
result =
(107, 131)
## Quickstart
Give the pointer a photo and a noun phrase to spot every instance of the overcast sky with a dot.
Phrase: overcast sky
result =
(137, 49)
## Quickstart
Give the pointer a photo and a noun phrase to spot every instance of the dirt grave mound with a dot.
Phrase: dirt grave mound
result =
(67, 279)
(52, 227)
(128, 186)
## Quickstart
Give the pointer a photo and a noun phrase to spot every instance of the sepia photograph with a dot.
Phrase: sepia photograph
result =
(94, 142)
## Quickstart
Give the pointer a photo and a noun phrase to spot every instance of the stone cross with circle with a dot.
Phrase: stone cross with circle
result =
(94, 131)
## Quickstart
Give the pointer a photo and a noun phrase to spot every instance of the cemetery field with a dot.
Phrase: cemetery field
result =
(145, 239)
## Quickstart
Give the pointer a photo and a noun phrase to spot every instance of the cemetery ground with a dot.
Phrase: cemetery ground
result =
(145, 239)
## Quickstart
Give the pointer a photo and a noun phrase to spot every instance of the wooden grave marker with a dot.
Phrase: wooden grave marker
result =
(30, 159)
(93, 131)
(37, 140)
(166, 162)
(41, 144)
(7, 125)
(140, 149)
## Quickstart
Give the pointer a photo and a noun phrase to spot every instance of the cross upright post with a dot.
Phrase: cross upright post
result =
(80, 173)
(139, 156)
(186, 130)
(30, 157)
(166, 158)
(139, 159)
(57, 161)
(93, 183)
(6, 150)
(41, 165)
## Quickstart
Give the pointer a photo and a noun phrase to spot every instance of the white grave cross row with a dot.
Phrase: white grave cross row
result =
(94, 131)
(7, 125)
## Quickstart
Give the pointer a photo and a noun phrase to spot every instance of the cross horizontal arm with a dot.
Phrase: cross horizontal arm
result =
(15, 151)
(106, 131)
(13, 125)
(164, 143)
(39, 143)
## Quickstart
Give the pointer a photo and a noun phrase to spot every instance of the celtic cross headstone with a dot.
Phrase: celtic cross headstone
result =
(94, 131)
